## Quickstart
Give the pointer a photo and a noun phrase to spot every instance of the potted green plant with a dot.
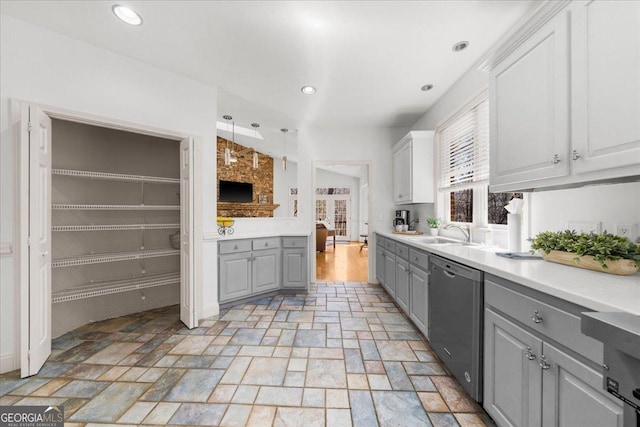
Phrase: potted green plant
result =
(600, 252)
(433, 224)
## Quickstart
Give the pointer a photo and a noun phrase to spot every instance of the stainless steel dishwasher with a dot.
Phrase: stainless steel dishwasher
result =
(456, 301)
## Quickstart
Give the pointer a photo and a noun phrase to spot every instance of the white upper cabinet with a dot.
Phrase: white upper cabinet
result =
(529, 119)
(413, 173)
(565, 97)
(605, 85)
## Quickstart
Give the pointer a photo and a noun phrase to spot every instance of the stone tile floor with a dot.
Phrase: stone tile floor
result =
(341, 355)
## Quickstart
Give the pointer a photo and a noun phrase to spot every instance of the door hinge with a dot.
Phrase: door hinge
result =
(29, 127)
(29, 241)
(29, 356)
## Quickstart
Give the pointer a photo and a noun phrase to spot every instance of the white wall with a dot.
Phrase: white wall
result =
(610, 204)
(282, 182)
(325, 178)
(48, 68)
(336, 145)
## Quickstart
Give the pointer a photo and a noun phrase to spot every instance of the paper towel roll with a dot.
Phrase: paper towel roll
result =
(514, 231)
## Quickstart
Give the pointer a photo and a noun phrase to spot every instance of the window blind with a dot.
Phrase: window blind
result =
(463, 149)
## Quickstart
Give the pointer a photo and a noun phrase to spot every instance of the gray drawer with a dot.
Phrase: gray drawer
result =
(402, 251)
(266, 243)
(419, 258)
(234, 246)
(294, 242)
(380, 240)
(390, 245)
(559, 325)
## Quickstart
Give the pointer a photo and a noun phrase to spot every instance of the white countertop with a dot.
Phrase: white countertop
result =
(590, 289)
(258, 234)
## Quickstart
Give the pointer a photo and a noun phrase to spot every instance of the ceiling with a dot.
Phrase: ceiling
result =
(368, 59)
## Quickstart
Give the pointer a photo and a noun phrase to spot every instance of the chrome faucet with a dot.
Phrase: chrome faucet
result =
(466, 230)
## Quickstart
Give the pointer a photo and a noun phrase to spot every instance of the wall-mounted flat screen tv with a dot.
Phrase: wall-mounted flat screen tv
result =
(239, 192)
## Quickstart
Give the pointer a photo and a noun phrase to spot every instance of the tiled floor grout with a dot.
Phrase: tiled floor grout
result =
(370, 367)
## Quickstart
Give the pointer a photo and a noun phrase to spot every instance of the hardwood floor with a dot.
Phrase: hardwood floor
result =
(344, 264)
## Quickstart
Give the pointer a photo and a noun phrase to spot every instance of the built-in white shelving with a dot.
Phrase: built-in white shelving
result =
(114, 227)
(112, 257)
(74, 207)
(115, 176)
(108, 287)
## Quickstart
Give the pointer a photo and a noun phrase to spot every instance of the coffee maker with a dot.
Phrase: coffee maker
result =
(402, 218)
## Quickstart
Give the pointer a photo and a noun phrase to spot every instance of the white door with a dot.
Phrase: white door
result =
(37, 307)
(187, 286)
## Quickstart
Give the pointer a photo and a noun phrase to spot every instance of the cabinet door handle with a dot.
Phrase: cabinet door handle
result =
(529, 355)
(536, 317)
(266, 244)
(543, 363)
(575, 155)
(235, 247)
(556, 159)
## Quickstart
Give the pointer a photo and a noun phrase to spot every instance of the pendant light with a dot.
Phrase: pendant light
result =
(284, 143)
(233, 158)
(255, 153)
(227, 151)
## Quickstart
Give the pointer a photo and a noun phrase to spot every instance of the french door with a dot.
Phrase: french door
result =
(336, 210)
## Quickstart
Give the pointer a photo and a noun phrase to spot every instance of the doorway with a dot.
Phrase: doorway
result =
(341, 206)
(110, 213)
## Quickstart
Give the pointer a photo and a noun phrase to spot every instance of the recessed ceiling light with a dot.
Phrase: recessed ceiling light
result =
(308, 90)
(460, 46)
(126, 15)
(426, 87)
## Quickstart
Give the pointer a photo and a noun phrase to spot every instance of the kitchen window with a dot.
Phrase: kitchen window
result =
(463, 168)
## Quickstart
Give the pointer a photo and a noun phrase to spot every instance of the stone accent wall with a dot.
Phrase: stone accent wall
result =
(242, 171)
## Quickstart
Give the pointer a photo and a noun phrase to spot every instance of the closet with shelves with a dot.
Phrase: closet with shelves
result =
(115, 203)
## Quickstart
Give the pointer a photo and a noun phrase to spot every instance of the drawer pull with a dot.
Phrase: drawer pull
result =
(605, 367)
(529, 355)
(536, 317)
(266, 244)
(415, 259)
(556, 159)
(235, 247)
(543, 363)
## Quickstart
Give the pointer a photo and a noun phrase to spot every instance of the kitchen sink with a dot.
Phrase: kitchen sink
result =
(443, 241)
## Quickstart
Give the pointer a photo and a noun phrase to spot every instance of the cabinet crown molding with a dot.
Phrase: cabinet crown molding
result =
(519, 34)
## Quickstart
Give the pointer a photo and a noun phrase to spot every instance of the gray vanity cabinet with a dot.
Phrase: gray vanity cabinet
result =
(294, 262)
(235, 275)
(390, 273)
(380, 258)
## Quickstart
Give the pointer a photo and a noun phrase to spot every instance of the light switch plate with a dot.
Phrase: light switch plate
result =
(585, 226)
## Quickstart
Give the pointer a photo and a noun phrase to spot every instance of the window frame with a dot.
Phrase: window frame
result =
(480, 213)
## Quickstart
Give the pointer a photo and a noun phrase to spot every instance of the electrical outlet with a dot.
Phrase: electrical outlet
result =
(585, 226)
(626, 230)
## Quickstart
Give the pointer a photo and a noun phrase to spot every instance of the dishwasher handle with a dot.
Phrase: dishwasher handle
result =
(449, 274)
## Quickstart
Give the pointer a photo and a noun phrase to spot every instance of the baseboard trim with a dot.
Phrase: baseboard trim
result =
(7, 363)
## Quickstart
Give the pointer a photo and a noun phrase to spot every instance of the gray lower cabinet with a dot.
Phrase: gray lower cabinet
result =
(512, 376)
(235, 275)
(390, 273)
(419, 298)
(266, 270)
(572, 393)
(254, 266)
(537, 370)
(379, 263)
(294, 268)
(402, 284)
